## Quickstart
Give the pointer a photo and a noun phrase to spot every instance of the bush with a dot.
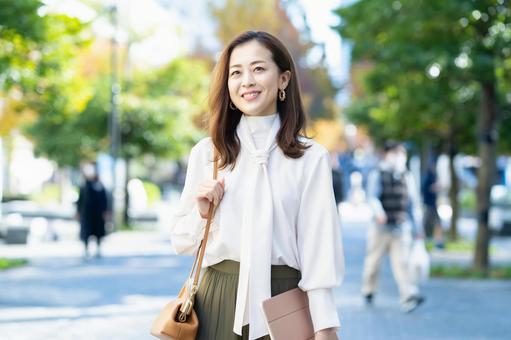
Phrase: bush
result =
(458, 272)
(460, 246)
(11, 263)
(14, 197)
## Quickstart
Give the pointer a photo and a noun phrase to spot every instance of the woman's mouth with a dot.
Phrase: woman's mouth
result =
(249, 96)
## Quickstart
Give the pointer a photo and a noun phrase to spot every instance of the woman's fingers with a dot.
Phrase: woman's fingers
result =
(210, 196)
(205, 195)
(218, 191)
(212, 190)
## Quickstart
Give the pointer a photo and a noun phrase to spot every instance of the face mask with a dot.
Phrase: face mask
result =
(396, 161)
(391, 159)
(400, 162)
(89, 171)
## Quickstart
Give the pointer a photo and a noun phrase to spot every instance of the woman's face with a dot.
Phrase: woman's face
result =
(254, 79)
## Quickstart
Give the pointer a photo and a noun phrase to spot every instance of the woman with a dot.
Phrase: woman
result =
(276, 225)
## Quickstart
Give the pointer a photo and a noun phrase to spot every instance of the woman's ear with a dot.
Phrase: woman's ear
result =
(284, 79)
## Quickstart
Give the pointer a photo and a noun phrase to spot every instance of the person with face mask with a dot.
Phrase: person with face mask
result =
(394, 200)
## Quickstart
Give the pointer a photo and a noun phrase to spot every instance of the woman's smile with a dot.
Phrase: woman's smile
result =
(250, 95)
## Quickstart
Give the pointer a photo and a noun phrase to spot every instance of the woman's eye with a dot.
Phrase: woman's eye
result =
(235, 73)
(258, 69)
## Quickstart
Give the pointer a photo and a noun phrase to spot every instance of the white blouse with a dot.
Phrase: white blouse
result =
(306, 231)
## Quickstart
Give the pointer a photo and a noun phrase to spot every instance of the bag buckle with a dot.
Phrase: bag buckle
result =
(185, 310)
(187, 306)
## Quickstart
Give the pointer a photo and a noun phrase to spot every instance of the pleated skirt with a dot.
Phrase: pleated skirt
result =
(215, 302)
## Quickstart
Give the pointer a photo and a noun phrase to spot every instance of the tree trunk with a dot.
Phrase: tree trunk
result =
(453, 192)
(125, 215)
(486, 172)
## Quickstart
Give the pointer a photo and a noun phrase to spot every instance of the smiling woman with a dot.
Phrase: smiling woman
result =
(275, 209)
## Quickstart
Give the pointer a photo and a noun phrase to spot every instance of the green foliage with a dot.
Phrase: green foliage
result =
(11, 263)
(467, 198)
(21, 30)
(459, 272)
(405, 42)
(39, 57)
(459, 246)
(155, 116)
(158, 112)
(43, 71)
(35, 48)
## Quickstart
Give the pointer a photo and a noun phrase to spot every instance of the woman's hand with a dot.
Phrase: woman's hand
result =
(209, 191)
(326, 334)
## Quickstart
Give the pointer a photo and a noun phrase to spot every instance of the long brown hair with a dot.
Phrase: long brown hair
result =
(223, 119)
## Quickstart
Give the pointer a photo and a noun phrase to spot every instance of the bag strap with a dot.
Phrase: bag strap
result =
(197, 263)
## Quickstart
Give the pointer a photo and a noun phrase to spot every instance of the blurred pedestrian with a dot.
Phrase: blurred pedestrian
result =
(277, 227)
(395, 202)
(337, 179)
(92, 209)
(430, 187)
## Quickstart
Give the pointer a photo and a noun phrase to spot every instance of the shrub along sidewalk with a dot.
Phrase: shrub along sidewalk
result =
(11, 263)
(455, 261)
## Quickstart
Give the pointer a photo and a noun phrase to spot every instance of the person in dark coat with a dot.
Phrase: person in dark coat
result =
(430, 187)
(92, 209)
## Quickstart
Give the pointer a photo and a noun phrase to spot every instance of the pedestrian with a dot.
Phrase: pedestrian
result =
(92, 209)
(430, 187)
(276, 225)
(337, 177)
(394, 200)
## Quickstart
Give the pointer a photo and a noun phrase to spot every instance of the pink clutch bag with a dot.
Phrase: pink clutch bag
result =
(288, 316)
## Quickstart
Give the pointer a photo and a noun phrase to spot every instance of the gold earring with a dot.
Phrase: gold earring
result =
(282, 95)
(232, 106)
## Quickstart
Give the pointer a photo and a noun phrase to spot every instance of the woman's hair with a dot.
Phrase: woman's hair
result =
(223, 119)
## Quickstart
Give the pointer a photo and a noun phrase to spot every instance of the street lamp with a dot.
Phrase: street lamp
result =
(113, 122)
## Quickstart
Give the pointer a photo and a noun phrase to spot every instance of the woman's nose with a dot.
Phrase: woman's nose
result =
(248, 79)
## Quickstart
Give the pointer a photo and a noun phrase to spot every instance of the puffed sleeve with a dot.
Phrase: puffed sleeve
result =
(319, 242)
(187, 226)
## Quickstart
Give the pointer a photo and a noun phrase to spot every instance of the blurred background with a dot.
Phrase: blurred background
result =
(124, 85)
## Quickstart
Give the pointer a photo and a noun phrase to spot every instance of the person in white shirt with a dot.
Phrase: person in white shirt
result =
(394, 199)
(276, 225)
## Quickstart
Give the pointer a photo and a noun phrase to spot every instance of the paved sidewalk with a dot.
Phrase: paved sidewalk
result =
(59, 296)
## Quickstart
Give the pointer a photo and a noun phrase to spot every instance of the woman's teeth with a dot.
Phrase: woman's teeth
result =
(251, 95)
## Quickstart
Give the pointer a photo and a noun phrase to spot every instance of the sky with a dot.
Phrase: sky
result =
(320, 18)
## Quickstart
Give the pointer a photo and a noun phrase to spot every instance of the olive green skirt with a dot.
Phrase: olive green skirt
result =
(215, 302)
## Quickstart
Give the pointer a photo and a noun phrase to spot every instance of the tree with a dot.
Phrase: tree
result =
(20, 40)
(462, 42)
(36, 49)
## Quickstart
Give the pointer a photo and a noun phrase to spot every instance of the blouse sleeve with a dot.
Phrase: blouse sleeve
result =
(319, 244)
(187, 225)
